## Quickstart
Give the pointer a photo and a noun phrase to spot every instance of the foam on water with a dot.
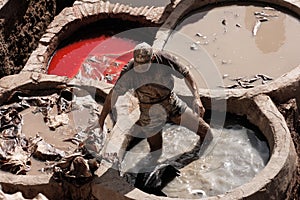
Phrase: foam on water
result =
(233, 158)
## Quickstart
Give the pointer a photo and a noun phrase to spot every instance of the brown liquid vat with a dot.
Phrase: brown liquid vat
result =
(31, 185)
(257, 104)
(184, 9)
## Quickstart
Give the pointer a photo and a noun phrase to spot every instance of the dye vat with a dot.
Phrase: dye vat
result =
(46, 118)
(215, 168)
(99, 51)
(38, 131)
(245, 42)
(101, 58)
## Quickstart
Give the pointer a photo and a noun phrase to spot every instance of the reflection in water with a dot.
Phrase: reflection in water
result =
(271, 34)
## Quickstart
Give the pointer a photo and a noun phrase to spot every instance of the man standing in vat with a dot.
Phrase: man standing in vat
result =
(150, 75)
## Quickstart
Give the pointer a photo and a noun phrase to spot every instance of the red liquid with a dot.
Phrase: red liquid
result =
(99, 58)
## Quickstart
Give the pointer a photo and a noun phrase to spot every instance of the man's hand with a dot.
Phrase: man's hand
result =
(197, 104)
(198, 107)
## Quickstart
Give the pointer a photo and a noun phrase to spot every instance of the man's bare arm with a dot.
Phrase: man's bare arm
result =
(188, 77)
(191, 83)
(110, 100)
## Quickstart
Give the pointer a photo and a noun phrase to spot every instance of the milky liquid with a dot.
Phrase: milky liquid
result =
(233, 158)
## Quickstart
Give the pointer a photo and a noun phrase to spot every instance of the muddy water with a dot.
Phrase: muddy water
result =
(79, 119)
(227, 36)
(219, 168)
(33, 125)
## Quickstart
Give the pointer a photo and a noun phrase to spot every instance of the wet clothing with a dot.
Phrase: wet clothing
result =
(154, 90)
(154, 85)
(154, 116)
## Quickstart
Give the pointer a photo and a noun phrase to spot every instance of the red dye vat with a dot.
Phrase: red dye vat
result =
(100, 58)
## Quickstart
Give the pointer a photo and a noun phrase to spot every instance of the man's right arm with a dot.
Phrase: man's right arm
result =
(119, 88)
(110, 100)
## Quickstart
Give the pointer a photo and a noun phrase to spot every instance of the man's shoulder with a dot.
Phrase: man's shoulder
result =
(167, 58)
(164, 55)
(161, 53)
(129, 65)
(172, 61)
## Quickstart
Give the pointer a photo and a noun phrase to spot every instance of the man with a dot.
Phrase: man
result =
(150, 75)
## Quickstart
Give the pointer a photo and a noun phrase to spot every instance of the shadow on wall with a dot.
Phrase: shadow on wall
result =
(60, 5)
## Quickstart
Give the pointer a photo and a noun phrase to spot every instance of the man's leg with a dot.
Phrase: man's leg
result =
(131, 139)
(192, 121)
(155, 142)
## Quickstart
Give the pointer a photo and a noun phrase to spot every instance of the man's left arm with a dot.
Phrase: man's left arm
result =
(197, 104)
(189, 80)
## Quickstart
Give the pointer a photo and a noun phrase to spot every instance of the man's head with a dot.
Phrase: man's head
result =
(142, 55)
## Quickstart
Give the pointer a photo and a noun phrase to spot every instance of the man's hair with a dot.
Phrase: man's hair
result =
(142, 53)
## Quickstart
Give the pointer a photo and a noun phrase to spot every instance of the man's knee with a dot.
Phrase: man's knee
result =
(132, 142)
(155, 142)
(155, 147)
(203, 128)
(205, 134)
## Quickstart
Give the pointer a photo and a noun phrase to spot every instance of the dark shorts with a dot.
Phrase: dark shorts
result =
(154, 116)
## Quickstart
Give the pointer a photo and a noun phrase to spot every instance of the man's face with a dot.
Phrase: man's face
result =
(142, 59)
(141, 67)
